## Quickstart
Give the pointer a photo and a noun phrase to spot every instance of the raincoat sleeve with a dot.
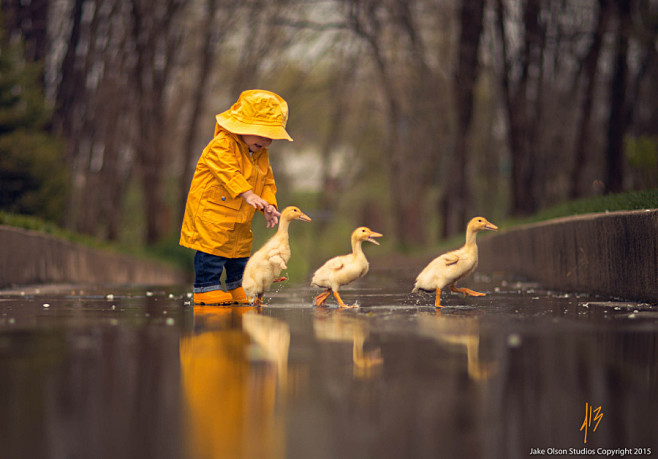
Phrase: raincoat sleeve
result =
(269, 191)
(222, 160)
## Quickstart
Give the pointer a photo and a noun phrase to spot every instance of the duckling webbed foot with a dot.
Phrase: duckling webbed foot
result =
(280, 279)
(466, 291)
(258, 301)
(342, 304)
(322, 297)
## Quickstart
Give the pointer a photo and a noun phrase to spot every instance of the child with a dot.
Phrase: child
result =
(233, 178)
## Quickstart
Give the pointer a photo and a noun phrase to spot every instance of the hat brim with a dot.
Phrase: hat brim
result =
(262, 130)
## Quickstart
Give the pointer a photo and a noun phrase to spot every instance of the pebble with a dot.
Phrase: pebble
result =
(513, 340)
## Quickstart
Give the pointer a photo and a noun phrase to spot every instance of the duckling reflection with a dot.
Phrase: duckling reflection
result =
(232, 366)
(459, 331)
(366, 355)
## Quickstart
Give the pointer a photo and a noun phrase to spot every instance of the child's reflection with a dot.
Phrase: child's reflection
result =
(231, 365)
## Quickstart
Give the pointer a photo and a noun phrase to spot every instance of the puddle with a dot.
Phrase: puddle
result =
(140, 372)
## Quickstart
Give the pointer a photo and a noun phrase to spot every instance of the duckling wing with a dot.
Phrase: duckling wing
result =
(334, 264)
(324, 276)
(278, 260)
(450, 258)
(438, 273)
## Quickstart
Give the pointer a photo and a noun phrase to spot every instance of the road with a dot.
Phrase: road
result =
(108, 372)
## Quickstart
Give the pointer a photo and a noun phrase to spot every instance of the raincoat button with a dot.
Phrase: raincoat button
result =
(223, 198)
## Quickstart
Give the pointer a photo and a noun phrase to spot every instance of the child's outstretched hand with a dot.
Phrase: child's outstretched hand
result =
(271, 215)
(254, 200)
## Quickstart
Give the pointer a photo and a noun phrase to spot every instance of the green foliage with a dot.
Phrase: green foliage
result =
(635, 200)
(32, 171)
(642, 155)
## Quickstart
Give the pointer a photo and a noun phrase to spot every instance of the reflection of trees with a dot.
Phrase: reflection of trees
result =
(542, 385)
(233, 365)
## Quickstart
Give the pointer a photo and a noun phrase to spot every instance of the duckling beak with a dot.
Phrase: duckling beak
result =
(373, 234)
(303, 217)
(491, 227)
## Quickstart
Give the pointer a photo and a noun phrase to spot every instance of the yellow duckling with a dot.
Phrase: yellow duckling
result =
(450, 267)
(343, 269)
(266, 263)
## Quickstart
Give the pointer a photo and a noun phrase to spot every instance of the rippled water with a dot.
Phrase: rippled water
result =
(133, 372)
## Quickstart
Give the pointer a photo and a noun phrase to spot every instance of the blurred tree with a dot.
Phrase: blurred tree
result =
(27, 20)
(156, 34)
(457, 197)
(95, 112)
(521, 76)
(399, 91)
(212, 33)
(618, 114)
(413, 137)
(641, 143)
(587, 73)
(32, 175)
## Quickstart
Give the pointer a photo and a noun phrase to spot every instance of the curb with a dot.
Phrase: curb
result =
(614, 254)
(29, 257)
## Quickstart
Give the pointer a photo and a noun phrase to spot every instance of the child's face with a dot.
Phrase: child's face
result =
(256, 142)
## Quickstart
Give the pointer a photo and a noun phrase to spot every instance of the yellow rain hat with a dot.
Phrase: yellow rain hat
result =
(257, 112)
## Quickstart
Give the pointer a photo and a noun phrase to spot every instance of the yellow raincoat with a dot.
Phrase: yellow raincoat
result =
(217, 221)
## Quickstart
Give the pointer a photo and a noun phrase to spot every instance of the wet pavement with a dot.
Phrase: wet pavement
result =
(123, 372)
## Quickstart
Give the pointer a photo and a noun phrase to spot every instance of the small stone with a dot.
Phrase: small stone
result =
(513, 340)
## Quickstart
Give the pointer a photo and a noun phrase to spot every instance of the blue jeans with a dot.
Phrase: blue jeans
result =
(208, 270)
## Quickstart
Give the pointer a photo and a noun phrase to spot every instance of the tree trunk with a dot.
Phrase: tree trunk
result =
(522, 116)
(206, 57)
(155, 38)
(457, 197)
(582, 133)
(30, 20)
(617, 118)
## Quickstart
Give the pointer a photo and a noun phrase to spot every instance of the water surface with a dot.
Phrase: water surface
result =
(109, 372)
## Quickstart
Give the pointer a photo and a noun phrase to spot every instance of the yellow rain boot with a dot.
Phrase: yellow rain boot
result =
(213, 297)
(239, 296)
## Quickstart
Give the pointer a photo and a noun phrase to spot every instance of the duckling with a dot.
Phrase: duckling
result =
(343, 269)
(265, 265)
(450, 267)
